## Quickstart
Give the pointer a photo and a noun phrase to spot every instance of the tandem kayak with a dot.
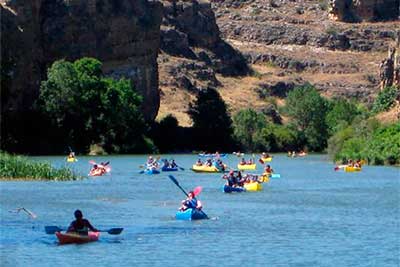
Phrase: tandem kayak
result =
(266, 159)
(352, 169)
(190, 214)
(204, 168)
(74, 238)
(253, 186)
(151, 171)
(169, 169)
(230, 189)
(243, 167)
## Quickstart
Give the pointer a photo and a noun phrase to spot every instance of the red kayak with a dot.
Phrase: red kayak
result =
(73, 238)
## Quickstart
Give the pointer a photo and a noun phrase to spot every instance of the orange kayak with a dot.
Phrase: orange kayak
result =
(74, 238)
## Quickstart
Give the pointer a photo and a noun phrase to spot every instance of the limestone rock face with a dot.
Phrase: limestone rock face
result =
(193, 25)
(123, 34)
(364, 10)
(390, 67)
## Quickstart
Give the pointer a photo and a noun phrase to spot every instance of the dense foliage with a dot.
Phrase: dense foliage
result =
(17, 167)
(212, 124)
(386, 99)
(84, 107)
(367, 140)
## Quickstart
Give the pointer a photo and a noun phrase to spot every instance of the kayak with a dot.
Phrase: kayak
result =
(230, 189)
(253, 186)
(74, 238)
(72, 159)
(243, 167)
(169, 169)
(99, 171)
(266, 159)
(352, 169)
(190, 214)
(151, 171)
(204, 168)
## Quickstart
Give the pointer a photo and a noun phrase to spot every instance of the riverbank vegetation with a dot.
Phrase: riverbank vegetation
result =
(79, 107)
(21, 168)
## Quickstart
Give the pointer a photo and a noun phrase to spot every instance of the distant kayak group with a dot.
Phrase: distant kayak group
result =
(236, 181)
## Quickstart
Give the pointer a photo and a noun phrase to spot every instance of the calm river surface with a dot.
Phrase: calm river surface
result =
(311, 216)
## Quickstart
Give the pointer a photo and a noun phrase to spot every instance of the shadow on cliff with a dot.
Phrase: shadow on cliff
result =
(189, 30)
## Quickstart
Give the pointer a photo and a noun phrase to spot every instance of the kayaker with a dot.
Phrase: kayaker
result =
(230, 179)
(190, 203)
(268, 169)
(80, 225)
(209, 163)
(250, 162)
(243, 162)
(165, 163)
(199, 162)
(173, 164)
(219, 165)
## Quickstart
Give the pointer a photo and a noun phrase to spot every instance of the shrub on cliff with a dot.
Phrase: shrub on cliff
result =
(85, 107)
(385, 99)
(212, 124)
(308, 110)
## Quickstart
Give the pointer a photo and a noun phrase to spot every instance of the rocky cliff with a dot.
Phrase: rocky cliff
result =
(124, 35)
(364, 10)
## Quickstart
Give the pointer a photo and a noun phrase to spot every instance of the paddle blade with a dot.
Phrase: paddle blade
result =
(261, 161)
(92, 162)
(50, 230)
(197, 190)
(336, 168)
(275, 175)
(114, 231)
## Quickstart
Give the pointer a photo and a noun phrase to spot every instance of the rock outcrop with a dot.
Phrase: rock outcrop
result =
(390, 67)
(364, 10)
(124, 35)
(189, 29)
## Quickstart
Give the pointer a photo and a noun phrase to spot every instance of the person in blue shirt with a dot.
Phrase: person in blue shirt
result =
(190, 202)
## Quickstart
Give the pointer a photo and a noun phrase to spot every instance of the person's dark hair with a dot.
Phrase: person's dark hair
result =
(78, 214)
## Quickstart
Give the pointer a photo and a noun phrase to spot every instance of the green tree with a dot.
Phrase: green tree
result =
(247, 125)
(307, 110)
(86, 107)
(211, 121)
(341, 113)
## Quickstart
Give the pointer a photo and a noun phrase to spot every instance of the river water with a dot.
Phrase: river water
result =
(311, 216)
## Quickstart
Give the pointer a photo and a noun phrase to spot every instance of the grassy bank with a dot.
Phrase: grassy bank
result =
(21, 168)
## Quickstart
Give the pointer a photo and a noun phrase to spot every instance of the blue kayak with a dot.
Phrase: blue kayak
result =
(169, 169)
(190, 214)
(230, 189)
(151, 171)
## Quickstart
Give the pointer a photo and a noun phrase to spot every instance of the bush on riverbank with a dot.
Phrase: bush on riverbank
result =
(18, 167)
(378, 144)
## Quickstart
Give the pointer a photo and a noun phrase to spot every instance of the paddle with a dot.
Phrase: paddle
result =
(53, 229)
(275, 175)
(197, 190)
(183, 190)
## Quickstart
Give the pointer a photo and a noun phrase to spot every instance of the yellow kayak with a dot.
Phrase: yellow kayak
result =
(204, 168)
(243, 167)
(352, 169)
(253, 186)
(71, 159)
(266, 159)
